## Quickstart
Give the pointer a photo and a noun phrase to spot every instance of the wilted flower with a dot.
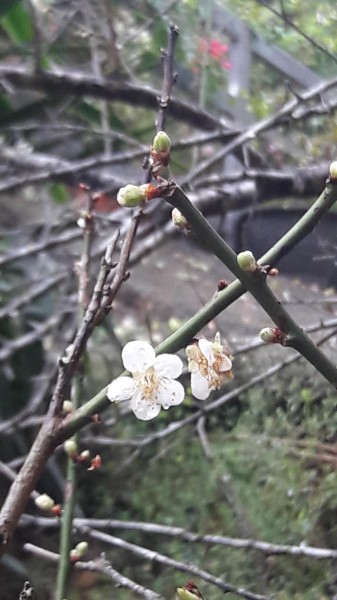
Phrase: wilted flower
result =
(209, 363)
(152, 384)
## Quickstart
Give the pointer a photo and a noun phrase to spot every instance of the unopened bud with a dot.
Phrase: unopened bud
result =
(246, 261)
(70, 448)
(85, 455)
(68, 353)
(81, 548)
(67, 407)
(333, 170)
(178, 219)
(188, 592)
(131, 195)
(268, 335)
(161, 143)
(44, 502)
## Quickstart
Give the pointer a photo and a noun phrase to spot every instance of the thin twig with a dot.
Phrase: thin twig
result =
(152, 556)
(37, 289)
(99, 565)
(286, 19)
(36, 247)
(270, 549)
(251, 132)
(37, 334)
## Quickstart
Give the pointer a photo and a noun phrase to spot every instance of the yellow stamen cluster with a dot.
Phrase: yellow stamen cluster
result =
(149, 383)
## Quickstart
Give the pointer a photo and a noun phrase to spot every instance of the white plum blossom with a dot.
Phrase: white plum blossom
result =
(209, 364)
(152, 385)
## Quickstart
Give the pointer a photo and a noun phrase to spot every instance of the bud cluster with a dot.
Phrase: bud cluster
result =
(71, 449)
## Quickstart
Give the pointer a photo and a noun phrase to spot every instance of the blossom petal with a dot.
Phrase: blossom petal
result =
(206, 348)
(121, 389)
(199, 386)
(138, 356)
(169, 393)
(168, 365)
(225, 365)
(144, 409)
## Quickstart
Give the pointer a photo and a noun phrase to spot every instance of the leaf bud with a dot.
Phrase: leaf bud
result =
(44, 502)
(131, 195)
(70, 448)
(246, 261)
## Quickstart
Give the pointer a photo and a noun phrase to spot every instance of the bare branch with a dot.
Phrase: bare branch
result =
(267, 548)
(152, 556)
(99, 565)
(78, 84)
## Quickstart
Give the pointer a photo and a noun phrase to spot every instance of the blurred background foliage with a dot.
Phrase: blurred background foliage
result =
(271, 470)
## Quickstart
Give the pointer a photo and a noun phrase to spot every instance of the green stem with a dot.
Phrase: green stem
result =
(256, 283)
(65, 534)
(222, 300)
(76, 396)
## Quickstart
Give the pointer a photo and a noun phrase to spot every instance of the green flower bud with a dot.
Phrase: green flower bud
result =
(161, 143)
(131, 195)
(44, 502)
(333, 170)
(70, 448)
(81, 548)
(247, 261)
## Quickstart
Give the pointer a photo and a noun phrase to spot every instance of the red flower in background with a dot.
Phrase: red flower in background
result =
(216, 50)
